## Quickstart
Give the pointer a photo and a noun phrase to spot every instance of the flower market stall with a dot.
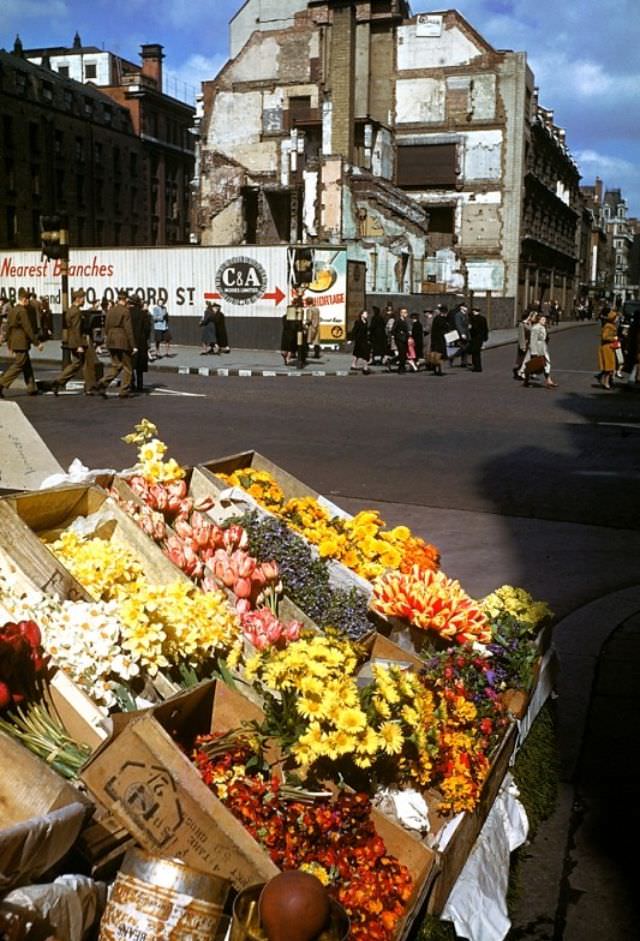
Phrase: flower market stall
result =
(234, 673)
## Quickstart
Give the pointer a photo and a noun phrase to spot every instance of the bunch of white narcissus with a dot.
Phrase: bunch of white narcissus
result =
(83, 638)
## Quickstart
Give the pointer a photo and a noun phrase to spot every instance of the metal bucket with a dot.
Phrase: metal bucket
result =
(155, 899)
(245, 924)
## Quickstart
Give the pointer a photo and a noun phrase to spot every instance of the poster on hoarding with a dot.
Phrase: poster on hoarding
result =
(246, 280)
(321, 275)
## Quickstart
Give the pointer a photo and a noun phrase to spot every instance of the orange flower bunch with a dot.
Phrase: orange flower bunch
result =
(417, 552)
(431, 601)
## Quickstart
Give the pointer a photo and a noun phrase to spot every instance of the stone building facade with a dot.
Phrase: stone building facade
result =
(352, 121)
(90, 135)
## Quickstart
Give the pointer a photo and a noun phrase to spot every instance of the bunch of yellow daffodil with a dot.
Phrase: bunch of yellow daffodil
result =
(162, 625)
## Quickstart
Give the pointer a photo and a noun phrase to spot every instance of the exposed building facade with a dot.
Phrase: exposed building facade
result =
(107, 148)
(621, 235)
(596, 269)
(351, 121)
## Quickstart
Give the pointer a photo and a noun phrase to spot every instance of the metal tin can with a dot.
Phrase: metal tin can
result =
(155, 899)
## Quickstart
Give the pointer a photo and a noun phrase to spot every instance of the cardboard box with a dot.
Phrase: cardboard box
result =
(149, 783)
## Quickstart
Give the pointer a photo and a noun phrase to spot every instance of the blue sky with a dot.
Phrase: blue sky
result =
(585, 56)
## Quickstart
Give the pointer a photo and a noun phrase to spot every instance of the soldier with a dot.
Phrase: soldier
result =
(79, 346)
(121, 346)
(20, 335)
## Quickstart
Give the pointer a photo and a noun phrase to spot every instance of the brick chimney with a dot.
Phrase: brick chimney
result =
(152, 56)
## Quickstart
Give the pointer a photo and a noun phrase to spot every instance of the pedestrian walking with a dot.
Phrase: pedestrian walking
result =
(20, 336)
(401, 333)
(524, 330)
(478, 336)
(377, 337)
(460, 322)
(537, 358)
(440, 326)
(361, 345)
(417, 337)
(389, 326)
(289, 336)
(208, 332)
(141, 327)
(161, 332)
(76, 341)
(121, 346)
(312, 323)
(46, 319)
(609, 342)
(220, 324)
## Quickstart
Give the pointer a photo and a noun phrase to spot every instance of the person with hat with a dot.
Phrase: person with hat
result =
(20, 335)
(121, 345)
(77, 343)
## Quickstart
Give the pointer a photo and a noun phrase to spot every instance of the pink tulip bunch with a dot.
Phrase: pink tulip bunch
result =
(248, 579)
(169, 498)
(263, 629)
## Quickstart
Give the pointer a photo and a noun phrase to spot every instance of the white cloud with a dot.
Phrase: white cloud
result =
(12, 11)
(606, 163)
(191, 73)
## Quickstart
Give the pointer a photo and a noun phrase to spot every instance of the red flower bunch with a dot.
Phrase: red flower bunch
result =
(22, 662)
(335, 836)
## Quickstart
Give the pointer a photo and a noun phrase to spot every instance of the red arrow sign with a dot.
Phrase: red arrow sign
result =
(276, 296)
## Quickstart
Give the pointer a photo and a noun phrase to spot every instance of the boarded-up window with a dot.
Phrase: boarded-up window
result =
(442, 219)
(426, 166)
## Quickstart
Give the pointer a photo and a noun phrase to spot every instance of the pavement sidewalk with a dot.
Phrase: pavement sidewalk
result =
(188, 360)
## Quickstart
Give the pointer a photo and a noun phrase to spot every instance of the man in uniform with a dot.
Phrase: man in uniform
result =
(19, 336)
(77, 342)
(121, 346)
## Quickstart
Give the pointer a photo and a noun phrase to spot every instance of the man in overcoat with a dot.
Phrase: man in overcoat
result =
(20, 335)
(121, 345)
(77, 341)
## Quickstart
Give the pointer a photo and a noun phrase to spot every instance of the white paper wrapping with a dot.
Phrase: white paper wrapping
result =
(477, 905)
(71, 904)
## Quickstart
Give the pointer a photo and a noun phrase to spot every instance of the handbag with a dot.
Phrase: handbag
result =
(535, 365)
(451, 337)
(615, 345)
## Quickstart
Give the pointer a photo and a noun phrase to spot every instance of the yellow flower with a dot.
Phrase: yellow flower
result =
(392, 738)
(352, 720)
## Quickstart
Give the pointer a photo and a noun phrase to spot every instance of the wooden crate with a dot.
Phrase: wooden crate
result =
(28, 521)
(29, 787)
(144, 777)
(453, 857)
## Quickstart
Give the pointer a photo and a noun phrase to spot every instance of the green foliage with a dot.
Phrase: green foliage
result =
(537, 770)
(433, 929)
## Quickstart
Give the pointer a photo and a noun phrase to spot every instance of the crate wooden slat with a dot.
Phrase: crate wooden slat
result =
(29, 787)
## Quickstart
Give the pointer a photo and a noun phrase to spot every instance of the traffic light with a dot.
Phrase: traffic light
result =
(54, 236)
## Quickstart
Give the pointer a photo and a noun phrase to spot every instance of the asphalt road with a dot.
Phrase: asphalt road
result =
(527, 485)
